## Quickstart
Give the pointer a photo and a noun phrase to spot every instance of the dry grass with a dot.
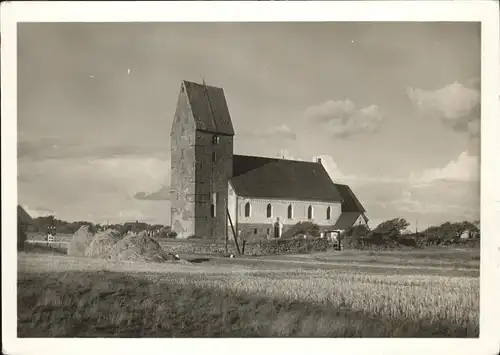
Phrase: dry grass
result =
(165, 300)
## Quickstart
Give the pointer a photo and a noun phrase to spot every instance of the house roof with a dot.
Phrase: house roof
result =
(209, 108)
(261, 177)
(351, 202)
(23, 216)
(346, 220)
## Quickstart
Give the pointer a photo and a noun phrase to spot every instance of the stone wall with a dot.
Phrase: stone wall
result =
(186, 247)
(262, 248)
(182, 139)
(200, 170)
(214, 167)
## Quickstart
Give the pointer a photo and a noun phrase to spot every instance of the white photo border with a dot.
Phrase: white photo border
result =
(485, 12)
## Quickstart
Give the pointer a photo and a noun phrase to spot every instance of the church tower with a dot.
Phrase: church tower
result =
(202, 139)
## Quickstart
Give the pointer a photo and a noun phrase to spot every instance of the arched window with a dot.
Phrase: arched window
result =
(247, 209)
(290, 212)
(269, 211)
(328, 213)
(310, 212)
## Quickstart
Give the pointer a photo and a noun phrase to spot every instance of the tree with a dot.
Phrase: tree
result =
(396, 226)
(307, 228)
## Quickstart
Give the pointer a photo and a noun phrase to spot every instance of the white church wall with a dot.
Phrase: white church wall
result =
(279, 208)
(232, 206)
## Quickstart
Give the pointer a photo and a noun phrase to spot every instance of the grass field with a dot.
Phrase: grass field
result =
(346, 294)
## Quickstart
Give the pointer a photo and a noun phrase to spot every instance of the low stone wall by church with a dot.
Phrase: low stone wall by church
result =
(256, 232)
(192, 247)
(252, 248)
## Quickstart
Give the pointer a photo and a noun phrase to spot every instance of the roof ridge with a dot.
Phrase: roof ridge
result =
(201, 84)
(277, 158)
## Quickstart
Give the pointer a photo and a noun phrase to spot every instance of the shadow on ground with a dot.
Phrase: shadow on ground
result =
(111, 304)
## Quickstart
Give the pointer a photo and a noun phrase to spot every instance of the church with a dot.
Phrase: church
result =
(215, 193)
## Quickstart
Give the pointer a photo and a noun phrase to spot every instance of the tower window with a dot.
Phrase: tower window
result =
(290, 212)
(247, 209)
(214, 204)
(269, 211)
(328, 213)
(310, 212)
(215, 139)
(214, 157)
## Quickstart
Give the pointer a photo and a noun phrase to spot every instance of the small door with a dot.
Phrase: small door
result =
(277, 230)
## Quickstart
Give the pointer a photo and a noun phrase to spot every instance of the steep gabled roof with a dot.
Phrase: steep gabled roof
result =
(209, 107)
(261, 177)
(346, 220)
(351, 202)
(23, 216)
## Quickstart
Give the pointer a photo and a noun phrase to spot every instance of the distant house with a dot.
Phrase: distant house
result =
(23, 221)
(214, 191)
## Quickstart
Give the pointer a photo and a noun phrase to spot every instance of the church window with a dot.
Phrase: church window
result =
(215, 139)
(310, 212)
(214, 157)
(290, 212)
(255, 231)
(247, 209)
(328, 213)
(269, 211)
(212, 210)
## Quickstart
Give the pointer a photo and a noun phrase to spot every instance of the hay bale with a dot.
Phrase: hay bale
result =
(102, 244)
(80, 242)
(139, 247)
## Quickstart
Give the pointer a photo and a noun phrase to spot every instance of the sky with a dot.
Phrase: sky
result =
(393, 110)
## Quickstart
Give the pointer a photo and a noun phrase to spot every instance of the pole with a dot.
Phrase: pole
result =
(234, 233)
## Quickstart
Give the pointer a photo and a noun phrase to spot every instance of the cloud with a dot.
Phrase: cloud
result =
(54, 148)
(283, 132)
(161, 195)
(408, 201)
(337, 175)
(433, 197)
(97, 190)
(71, 181)
(464, 168)
(342, 119)
(331, 167)
(456, 105)
(35, 212)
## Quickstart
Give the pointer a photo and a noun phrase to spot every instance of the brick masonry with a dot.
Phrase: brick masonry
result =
(200, 169)
(182, 139)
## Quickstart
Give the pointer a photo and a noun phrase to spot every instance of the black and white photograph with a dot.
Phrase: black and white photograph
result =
(249, 179)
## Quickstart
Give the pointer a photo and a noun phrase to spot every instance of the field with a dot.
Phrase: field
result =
(424, 293)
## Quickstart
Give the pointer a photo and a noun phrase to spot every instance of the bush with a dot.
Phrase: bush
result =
(353, 238)
(388, 235)
(166, 233)
(194, 237)
(307, 228)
